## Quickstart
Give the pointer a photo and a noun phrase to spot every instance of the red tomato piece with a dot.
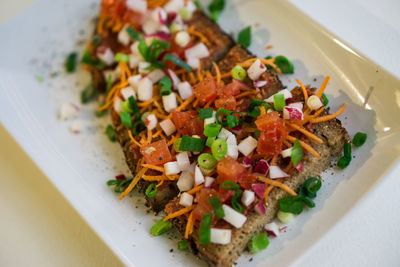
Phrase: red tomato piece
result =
(229, 169)
(205, 90)
(232, 88)
(247, 180)
(188, 122)
(228, 102)
(133, 18)
(271, 139)
(156, 153)
(263, 122)
(203, 206)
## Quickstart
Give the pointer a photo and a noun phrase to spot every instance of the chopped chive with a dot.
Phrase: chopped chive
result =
(40, 78)
(359, 139)
(151, 191)
(70, 63)
(160, 227)
(238, 73)
(212, 129)
(121, 56)
(297, 152)
(94, 62)
(126, 119)
(111, 134)
(205, 229)
(133, 105)
(132, 33)
(207, 161)
(284, 64)
(292, 204)
(138, 127)
(165, 85)
(232, 121)
(230, 185)
(216, 7)
(235, 201)
(191, 144)
(109, 83)
(125, 107)
(183, 245)
(96, 40)
(210, 141)
(174, 59)
(258, 243)
(88, 94)
(219, 148)
(257, 134)
(244, 37)
(216, 204)
(222, 112)
(205, 113)
(312, 185)
(325, 99)
(347, 150)
(279, 102)
(343, 162)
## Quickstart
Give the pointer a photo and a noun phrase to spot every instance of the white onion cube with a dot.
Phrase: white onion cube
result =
(256, 69)
(68, 111)
(143, 67)
(171, 168)
(185, 90)
(193, 62)
(169, 102)
(76, 126)
(183, 161)
(145, 89)
(117, 104)
(128, 92)
(186, 200)
(198, 176)
(232, 146)
(247, 197)
(285, 92)
(287, 152)
(208, 181)
(168, 127)
(123, 36)
(247, 145)
(233, 217)
(220, 236)
(198, 51)
(134, 81)
(134, 60)
(185, 181)
(106, 55)
(156, 75)
(137, 5)
(151, 122)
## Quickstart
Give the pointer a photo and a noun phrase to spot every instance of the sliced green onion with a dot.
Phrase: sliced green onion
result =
(177, 61)
(230, 185)
(343, 162)
(96, 40)
(151, 191)
(347, 150)
(215, 8)
(126, 119)
(119, 185)
(292, 204)
(255, 112)
(312, 185)
(184, 12)
(359, 139)
(205, 229)
(126, 107)
(175, 27)
(94, 62)
(88, 94)
(240, 116)
(205, 113)
(219, 148)
(132, 33)
(109, 83)
(40, 78)
(297, 152)
(210, 141)
(325, 99)
(306, 200)
(197, 4)
(285, 217)
(222, 112)
(284, 64)
(212, 129)
(100, 113)
(177, 144)
(217, 207)
(183, 245)
(133, 105)
(160, 227)
(232, 121)
(110, 132)
(138, 127)
(244, 37)
(121, 56)
(257, 134)
(207, 161)
(258, 243)
(238, 73)
(235, 201)
(70, 63)
(143, 48)
(279, 102)
(192, 144)
(165, 85)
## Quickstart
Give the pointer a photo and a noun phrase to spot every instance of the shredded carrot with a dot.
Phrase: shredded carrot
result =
(329, 117)
(192, 77)
(323, 86)
(149, 135)
(192, 31)
(277, 184)
(199, 76)
(303, 88)
(159, 183)
(195, 189)
(178, 213)
(195, 103)
(262, 109)
(139, 164)
(189, 226)
(305, 132)
(133, 183)
(155, 177)
(153, 167)
(133, 140)
(156, 3)
(184, 104)
(217, 72)
(157, 133)
(269, 188)
(171, 141)
(305, 146)
(146, 103)
(252, 92)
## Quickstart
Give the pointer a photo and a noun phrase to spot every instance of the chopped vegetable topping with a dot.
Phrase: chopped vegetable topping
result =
(151, 191)
(217, 206)
(205, 113)
(191, 144)
(216, 7)
(161, 227)
(359, 139)
(205, 229)
(258, 243)
(111, 134)
(244, 37)
(207, 161)
(165, 85)
(284, 64)
(183, 245)
(219, 149)
(70, 63)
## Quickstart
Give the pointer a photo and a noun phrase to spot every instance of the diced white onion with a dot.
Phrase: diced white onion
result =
(110, 74)
(185, 181)
(68, 111)
(151, 121)
(220, 236)
(208, 181)
(198, 51)
(286, 93)
(224, 134)
(156, 75)
(256, 69)
(174, 78)
(247, 145)
(182, 38)
(198, 176)
(123, 36)
(287, 152)
(106, 55)
(134, 60)
(185, 90)
(168, 127)
(134, 81)
(135, 49)
(205, 171)
(233, 217)
(117, 104)
(247, 197)
(272, 229)
(128, 92)
(143, 67)
(183, 161)
(159, 15)
(276, 172)
(169, 102)
(76, 126)
(171, 168)
(150, 26)
(193, 62)
(232, 147)
(137, 5)
(210, 120)
(174, 5)
(145, 89)
(314, 102)
(186, 200)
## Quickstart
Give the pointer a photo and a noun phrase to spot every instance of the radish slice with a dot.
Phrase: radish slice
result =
(68, 111)
(232, 146)
(198, 51)
(169, 102)
(185, 90)
(135, 49)
(156, 75)
(208, 181)
(297, 105)
(137, 5)
(198, 176)
(174, 5)
(287, 152)
(262, 167)
(168, 127)
(175, 80)
(237, 129)
(260, 208)
(259, 189)
(286, 93)
(220, 236)
(276, 172)
(171, 168)
(272, 229)
(233, 217)
(151, 121)
(247, 197)
(128, 92)
(299, 167)
(150, 26)
(256, 69)
(159, 15)
(164, 36)
(134, 81)
(105, 54)
(123, 36)
(247, 145)
(183, 161)
(290, 113)
(186, 200)
(185, 182)
(193, 62)
(145, 89)
(259, 84)
(314, 102)
(248, 161)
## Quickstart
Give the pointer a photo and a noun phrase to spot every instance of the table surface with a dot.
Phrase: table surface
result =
(40, 228)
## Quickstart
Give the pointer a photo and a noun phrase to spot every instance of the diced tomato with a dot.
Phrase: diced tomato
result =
(156, 153)
(228, 102)
(247, 180)
(271, 139)
(205, 90)
(232, 88)
(263, 122)
(133, 18)
(203, 206)
(188, 122)
(229, 169)
(114, 8)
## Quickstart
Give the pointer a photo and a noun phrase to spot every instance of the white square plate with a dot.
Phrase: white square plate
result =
(36, 43)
